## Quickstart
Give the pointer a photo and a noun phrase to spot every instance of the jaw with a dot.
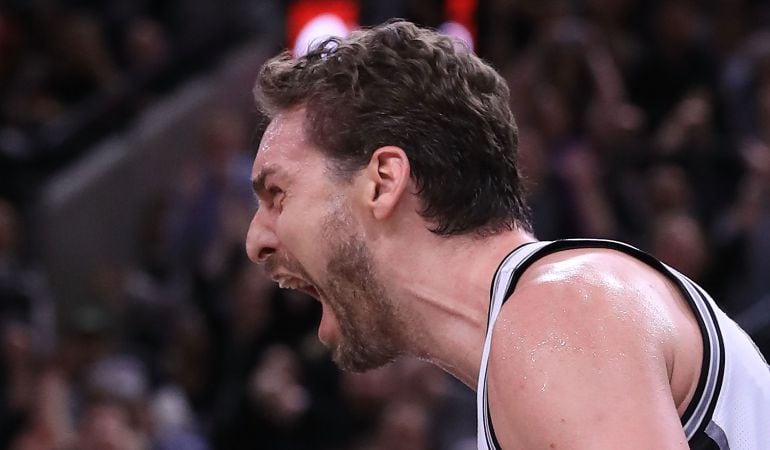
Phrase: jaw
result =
(328, 329)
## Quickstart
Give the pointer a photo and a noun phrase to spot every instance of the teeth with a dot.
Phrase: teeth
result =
(291, 283)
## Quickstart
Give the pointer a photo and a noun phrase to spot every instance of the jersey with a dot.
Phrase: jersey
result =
(731, 405)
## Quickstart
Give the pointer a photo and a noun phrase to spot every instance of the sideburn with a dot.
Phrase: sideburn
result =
(366, 317)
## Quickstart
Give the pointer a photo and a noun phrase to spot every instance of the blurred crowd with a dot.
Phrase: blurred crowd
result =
(73, 71)
(647, 122)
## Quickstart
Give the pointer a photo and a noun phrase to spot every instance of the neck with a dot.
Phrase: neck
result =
(442, 292)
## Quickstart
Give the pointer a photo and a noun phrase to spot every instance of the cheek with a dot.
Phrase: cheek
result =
(299, 230)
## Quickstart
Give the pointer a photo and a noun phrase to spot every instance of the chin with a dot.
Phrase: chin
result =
(350, 360)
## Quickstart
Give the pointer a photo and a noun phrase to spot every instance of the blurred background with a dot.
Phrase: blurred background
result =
(130, 317)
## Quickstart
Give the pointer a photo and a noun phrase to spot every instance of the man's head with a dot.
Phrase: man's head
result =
(392, 126)
(308, 231)
(403, 86)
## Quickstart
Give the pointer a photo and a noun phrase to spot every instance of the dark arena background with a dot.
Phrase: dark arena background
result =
(130, 315)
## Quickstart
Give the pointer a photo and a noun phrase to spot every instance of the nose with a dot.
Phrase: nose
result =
(261, 241)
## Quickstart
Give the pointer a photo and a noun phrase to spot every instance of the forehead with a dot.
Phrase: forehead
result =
(284, 145)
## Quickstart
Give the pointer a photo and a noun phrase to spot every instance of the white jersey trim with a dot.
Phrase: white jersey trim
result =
(509, 265)
(698, 414)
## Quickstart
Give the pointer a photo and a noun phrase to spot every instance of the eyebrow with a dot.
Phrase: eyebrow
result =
(258, 183)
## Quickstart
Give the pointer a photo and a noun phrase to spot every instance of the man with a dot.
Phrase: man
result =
(389, 191)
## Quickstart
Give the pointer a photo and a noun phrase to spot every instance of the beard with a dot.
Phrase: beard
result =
(366, 317)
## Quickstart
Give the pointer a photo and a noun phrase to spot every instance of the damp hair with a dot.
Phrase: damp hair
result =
(402, 85)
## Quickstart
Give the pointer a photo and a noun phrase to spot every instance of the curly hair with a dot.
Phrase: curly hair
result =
(401, 85)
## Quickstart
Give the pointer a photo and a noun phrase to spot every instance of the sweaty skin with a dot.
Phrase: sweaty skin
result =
(593, 350)
(591, 341)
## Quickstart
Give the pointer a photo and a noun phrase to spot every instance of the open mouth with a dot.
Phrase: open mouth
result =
(327, 329)
(290, 282)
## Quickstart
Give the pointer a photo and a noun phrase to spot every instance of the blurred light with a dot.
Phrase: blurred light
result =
(460, 16)
(317, 30)
(458, 31)
(312, 21)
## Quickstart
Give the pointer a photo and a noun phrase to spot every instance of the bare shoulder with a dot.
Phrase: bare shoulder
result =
(585, 343)
(601, 286)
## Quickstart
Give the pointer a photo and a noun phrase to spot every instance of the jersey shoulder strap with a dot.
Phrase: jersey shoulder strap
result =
(501, 284)
(516, 263)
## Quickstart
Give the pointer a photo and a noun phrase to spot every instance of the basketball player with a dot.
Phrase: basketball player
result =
(389, 190)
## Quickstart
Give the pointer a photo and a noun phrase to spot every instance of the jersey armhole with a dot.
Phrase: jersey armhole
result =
(712, 365)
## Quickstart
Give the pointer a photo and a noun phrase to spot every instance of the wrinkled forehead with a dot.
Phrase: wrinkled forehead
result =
(284, 139)
(286, 148)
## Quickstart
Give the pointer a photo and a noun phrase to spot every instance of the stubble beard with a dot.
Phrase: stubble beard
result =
(367, 318)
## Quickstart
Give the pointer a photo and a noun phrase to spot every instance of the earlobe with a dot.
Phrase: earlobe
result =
(390, 176)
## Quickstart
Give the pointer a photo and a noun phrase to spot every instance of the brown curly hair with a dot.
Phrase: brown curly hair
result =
(402, 85)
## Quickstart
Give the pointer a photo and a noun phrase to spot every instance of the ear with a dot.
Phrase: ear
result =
(387, 177)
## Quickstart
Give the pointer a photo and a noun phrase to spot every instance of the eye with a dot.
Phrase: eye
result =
(274, 190)
(276, 195)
